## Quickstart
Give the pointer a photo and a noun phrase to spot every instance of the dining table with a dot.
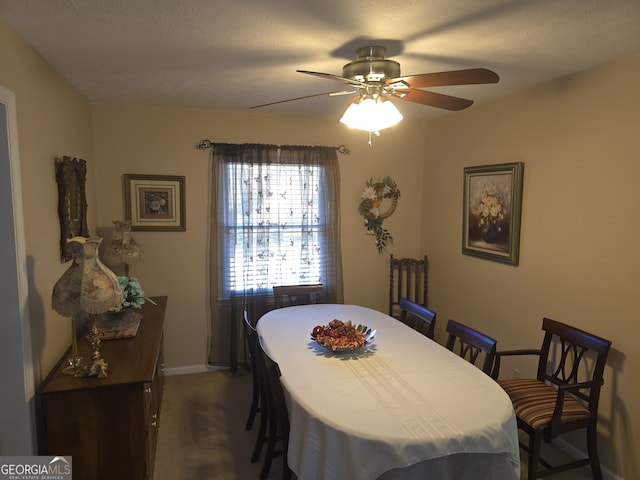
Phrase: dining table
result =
(402, 407)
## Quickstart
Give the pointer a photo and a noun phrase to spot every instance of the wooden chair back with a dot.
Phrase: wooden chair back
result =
(573, 345)
(407, 279)
(278, 417)
(418, 317)
(259, 398)
(288, 295)
(471, 343)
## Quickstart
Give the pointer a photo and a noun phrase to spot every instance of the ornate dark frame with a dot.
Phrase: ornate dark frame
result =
(71, 174)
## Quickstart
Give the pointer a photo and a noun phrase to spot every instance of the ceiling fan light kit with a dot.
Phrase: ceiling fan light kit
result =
(371, 114)
(376, 80)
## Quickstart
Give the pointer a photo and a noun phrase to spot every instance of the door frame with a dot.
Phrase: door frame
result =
(17, 411)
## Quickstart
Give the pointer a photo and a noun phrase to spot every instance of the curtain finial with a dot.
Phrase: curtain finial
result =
(203, 144)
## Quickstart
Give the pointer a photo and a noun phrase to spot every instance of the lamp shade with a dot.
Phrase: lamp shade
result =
(123, 248)
(371, 114)
(87, 285)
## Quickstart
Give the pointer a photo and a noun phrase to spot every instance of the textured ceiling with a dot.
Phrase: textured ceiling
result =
(232, 54)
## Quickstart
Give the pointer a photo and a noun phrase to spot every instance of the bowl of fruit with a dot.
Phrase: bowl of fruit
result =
(339, 336)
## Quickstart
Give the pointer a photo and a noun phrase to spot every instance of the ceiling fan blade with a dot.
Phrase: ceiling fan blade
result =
(434, 99)
(440, 79)
(331, 76)
(330, 94)
(343, 92)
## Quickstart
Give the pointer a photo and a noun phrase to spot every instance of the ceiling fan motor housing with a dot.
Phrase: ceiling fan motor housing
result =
(371, 66)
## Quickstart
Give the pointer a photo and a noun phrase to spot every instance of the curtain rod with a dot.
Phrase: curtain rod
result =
(204, 144)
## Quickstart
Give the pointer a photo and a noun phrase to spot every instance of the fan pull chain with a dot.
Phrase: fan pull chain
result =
(377, 134)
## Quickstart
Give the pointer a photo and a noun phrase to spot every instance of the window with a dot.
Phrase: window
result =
(274, 225)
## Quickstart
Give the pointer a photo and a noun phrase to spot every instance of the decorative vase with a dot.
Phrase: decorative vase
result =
(490, 232)
(110, 319)
(121, 324)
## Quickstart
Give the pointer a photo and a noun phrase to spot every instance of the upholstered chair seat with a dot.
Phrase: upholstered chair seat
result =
(534, 402)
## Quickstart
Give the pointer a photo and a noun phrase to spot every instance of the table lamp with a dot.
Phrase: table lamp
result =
(123, 248)
(87, 286)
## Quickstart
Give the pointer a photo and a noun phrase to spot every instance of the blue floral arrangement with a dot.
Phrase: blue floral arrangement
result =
(133, 295)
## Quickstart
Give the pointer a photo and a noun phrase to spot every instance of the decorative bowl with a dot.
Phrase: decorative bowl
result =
(339, 336)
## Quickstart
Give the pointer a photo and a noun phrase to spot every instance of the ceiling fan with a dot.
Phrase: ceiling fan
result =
(377, 79)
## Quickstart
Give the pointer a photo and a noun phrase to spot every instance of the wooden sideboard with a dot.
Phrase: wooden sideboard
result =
(109, 425)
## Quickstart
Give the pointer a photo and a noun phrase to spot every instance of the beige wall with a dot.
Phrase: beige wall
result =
(579, 259)
(130, 139)
(54, 120)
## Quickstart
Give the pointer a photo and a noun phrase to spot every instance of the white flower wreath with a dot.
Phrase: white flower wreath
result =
(372, 197)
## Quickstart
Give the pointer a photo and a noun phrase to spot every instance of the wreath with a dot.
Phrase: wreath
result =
(372, 197)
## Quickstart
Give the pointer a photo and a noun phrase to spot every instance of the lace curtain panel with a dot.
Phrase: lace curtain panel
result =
(274, 221)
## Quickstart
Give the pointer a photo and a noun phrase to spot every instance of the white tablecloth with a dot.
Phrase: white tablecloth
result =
(403, 405)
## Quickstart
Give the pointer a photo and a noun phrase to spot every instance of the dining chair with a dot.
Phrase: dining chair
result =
(407, 279)
(471, 343)
(251, 338)
(418, 317)
(564, 395)
(278, 418)
(288, 295)
(259, 399)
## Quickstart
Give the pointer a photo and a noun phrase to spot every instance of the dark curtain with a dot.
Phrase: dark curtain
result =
(275, 219)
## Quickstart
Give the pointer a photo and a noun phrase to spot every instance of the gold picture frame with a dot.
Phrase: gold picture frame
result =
(155, 202)
(492, 206)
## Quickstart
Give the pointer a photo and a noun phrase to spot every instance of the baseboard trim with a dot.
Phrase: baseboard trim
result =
(192, 369)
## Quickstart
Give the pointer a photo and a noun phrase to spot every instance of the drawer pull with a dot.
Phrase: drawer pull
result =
(147, 390)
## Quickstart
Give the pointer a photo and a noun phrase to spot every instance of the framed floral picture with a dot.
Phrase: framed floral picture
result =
(492, 205)
(155, 202)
